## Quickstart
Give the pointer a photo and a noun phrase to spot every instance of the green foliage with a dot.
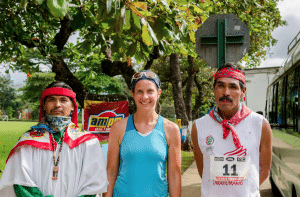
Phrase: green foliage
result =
(33, 89)
(99, 83)
(9, 112)
(58, 8)
(130, 28)
(32, 33)
(35, 85)
(8, 102)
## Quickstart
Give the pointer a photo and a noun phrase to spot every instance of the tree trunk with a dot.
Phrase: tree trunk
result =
(189, 88)
(180, 110)
(176, 81)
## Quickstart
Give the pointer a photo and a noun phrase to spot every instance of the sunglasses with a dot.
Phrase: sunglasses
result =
(148, 74)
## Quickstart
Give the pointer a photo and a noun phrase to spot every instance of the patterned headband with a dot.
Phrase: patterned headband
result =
(230, 73)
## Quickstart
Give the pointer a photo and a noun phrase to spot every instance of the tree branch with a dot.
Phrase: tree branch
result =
(63, 35)
(63, 73)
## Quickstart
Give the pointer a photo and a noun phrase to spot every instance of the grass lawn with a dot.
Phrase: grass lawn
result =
(9, 135)
(11, 131)
(187, 159)
(290, 139)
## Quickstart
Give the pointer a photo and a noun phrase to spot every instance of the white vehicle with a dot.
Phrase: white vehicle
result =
(283, 112)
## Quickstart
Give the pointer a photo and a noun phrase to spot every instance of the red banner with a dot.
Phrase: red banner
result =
(100, 115)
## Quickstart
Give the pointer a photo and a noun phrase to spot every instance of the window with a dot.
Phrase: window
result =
(290, 99)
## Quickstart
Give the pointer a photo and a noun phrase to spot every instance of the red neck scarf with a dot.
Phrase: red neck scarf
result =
(58, 92)
(227, 125)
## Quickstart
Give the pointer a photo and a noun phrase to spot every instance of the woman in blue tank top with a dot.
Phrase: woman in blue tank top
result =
(142, 146)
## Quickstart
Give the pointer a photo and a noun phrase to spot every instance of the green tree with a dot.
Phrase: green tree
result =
(113, 32)
(7, 93)
(10, 111)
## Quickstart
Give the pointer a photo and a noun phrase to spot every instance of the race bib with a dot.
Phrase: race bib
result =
(229, 168)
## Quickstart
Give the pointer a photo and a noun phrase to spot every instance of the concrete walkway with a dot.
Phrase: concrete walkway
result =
(191, 184)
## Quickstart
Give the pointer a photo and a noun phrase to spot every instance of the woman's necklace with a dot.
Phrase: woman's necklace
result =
(55, 168)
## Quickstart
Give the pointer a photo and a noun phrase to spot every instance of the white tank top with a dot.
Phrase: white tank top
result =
(211, 142)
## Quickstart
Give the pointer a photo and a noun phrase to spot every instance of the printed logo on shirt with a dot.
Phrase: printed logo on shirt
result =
(241, 151)
(209, 140)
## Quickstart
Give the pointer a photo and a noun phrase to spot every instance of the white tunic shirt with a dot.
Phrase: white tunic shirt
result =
(214, 148)
(82, 170)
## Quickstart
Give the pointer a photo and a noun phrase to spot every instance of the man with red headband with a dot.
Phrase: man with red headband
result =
(232, 144)
(55, 158)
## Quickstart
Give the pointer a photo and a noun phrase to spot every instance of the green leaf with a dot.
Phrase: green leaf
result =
(146, 36)
(127, 20)
(40, 1)
(23, 4)
(58, 8)
(139, 56)
(183, 50)
(197, 9)
(90, 18)
(166, 5)
(78, 20)
(108, 23)
(131, 49)
(118, 46)
(158, 28)
(119, 24)
(136, 21)
(152, 34)
(101, 11)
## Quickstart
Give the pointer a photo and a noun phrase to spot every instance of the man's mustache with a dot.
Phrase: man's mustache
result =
(56, 109)
(226, 98)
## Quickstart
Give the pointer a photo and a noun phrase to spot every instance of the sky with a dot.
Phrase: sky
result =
(290, 11)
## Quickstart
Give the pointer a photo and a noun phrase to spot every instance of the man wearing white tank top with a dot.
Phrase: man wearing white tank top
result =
(232, 144)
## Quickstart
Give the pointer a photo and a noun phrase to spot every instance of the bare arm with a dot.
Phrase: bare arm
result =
(115, 137)
(265, 150)
(174, 158)
(197, 152)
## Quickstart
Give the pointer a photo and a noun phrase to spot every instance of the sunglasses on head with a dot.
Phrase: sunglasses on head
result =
(148, 74)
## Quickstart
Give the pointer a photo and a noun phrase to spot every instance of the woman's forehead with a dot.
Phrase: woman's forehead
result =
(145, 84)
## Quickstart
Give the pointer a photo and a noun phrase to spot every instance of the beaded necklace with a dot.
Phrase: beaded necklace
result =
(56, 168)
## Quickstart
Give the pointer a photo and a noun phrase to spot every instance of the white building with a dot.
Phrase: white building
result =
(257, 82)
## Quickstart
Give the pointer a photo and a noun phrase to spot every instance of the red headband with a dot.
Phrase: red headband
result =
(59, 92)
(230, 73)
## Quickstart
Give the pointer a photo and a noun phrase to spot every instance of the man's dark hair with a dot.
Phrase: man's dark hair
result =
(59, 84)
(234, 66)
